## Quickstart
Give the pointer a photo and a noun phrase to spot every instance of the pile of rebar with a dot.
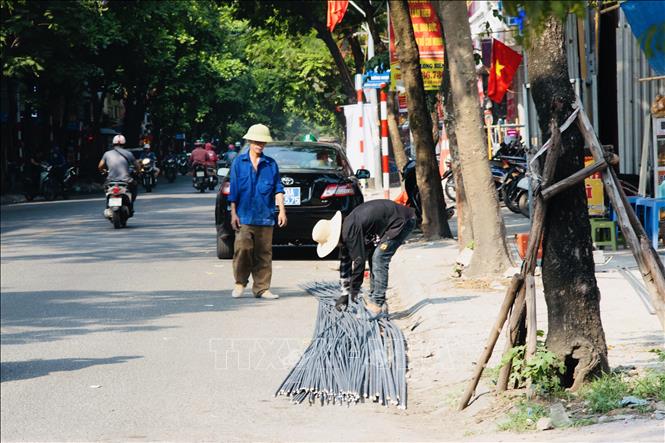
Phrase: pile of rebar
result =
(354, 356)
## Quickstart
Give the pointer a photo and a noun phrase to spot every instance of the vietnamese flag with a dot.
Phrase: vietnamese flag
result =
(336, 11)
(505, 62)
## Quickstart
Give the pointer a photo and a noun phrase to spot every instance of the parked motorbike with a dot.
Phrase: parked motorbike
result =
(119, 206)
(68, 180)
(183, 163)
(513, 196)
(413, 193)
(170, 169)
(148, 179)
(48, 185)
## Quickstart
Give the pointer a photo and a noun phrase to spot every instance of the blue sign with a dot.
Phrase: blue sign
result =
(374, 80)
(646, 22)
(180, 136)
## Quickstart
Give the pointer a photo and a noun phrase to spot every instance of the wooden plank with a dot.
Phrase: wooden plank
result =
(511, 337)
(508, 300)
(577, 177)
(648, 262)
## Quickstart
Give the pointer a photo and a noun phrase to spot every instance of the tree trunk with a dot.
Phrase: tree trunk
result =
(135, 107)
(464, 228)
(357, 51)
(575, 330)
(393, 129)
(344, 73)
(490, 255)
(435, 223)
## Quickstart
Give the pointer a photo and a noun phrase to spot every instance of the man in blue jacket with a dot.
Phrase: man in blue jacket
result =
(255, 188)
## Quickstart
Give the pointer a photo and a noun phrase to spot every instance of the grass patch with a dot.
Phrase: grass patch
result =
(523, 417)
(652, 385)
(606, 392)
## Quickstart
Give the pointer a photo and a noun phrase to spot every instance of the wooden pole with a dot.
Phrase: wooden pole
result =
(572, 180)
(512, 334)
(648, 262)
(531, 325)
(514, 287)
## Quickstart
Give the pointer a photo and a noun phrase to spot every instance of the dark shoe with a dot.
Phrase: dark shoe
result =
(342, 302)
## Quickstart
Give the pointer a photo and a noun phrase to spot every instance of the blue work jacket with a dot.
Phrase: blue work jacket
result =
(253, 191)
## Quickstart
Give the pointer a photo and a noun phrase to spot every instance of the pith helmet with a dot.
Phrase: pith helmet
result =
(258, 133)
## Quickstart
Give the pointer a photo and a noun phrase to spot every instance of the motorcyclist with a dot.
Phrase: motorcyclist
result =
(199, 155)
(211, 156)
(231, 154)
(147, 153)
(119, 163)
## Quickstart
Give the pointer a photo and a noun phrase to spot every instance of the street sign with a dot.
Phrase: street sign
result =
(180, 136)
(374, 80)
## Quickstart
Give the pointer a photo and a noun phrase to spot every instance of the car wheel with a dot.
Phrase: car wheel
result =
(224, 248)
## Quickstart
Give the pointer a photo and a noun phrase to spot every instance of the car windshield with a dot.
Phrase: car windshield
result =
(305, 157)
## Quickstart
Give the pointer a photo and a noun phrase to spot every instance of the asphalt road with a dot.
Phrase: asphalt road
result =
(132, 334)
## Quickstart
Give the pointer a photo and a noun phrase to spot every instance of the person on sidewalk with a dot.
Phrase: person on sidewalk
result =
(255, 187)
(372, 231)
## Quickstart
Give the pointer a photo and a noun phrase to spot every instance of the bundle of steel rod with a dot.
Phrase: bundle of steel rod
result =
(354, 356)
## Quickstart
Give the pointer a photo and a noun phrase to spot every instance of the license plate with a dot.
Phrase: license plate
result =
(291, 196)
(115, 202)
(200, 173)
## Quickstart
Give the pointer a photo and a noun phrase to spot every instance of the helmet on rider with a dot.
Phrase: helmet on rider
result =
(119, 140)
(232, 147)
(208, 146)
(309, 138)
(238, 145)
(146, 146)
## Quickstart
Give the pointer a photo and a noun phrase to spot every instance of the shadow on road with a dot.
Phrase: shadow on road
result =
(23, 370)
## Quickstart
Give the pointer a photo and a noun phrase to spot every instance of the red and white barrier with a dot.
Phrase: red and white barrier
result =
(384, 144)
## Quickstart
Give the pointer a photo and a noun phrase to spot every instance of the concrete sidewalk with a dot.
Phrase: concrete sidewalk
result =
(448, 334)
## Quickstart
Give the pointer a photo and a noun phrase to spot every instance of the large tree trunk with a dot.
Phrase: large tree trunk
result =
(490, 255)
(575, 332)
(464, 228)
(434, 222)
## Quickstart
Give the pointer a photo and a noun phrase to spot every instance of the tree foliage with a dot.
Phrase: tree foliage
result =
(195, 66)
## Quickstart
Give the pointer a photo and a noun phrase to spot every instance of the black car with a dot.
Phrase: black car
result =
(318, 181)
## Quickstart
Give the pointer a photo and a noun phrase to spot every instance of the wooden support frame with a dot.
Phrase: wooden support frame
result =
(648, 262)
(572, 180)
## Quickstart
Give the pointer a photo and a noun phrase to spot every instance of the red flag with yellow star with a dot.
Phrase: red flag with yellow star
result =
(505, 62)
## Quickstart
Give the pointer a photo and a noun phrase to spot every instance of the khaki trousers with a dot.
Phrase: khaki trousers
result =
(253, 255)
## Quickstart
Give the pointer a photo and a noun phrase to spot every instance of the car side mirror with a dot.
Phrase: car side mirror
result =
(362, 174)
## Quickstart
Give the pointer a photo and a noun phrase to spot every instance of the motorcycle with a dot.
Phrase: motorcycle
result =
(183, 163)
(119, 206)
(68, 180)
(204, 177)
(199, 178)
(148, 179)
(47, 186)
(170, 169)
(413, 193)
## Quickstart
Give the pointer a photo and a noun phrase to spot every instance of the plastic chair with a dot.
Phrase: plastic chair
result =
(650, 217)
(604, 232)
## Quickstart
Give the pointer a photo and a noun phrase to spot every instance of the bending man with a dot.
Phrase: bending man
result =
(372, 231)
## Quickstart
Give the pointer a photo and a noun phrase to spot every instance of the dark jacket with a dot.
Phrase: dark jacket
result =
(363, 229)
